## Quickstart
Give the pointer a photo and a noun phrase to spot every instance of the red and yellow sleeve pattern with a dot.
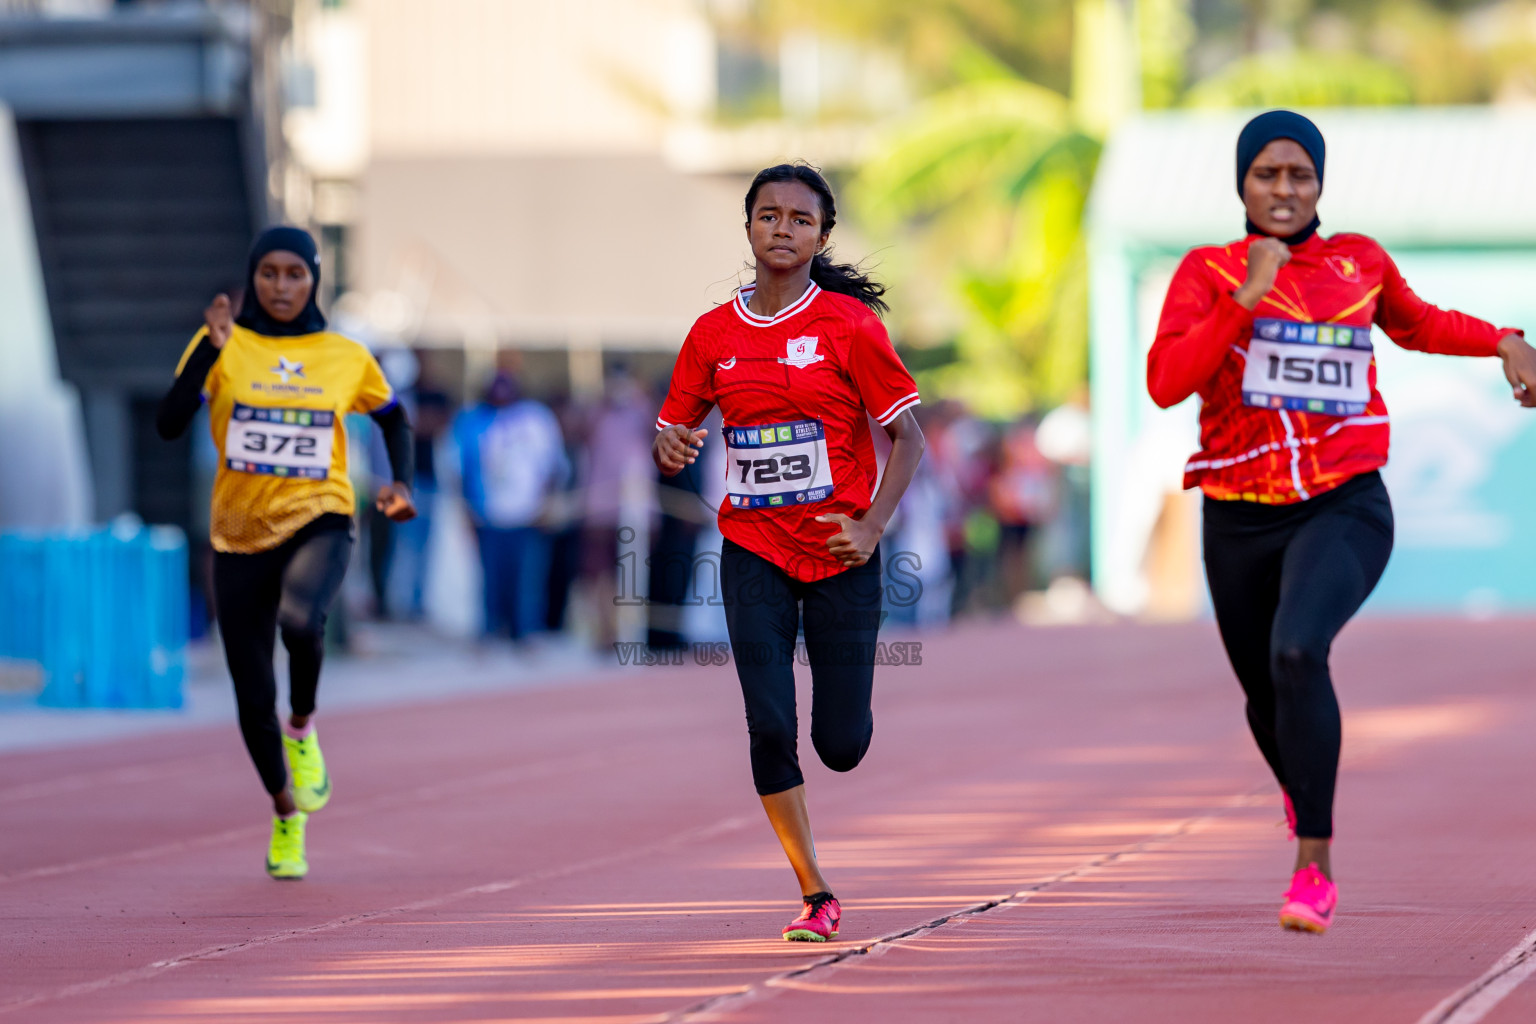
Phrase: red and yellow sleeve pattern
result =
(1306, 415)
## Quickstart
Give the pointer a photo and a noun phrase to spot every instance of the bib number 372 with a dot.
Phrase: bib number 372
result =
(777, 464)
(280, 442)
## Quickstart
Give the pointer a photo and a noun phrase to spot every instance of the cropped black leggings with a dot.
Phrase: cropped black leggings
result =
(1284, 580)
(842, 618)
(287, 589)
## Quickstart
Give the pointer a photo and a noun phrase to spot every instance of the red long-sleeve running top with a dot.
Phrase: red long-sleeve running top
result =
(1289, 401)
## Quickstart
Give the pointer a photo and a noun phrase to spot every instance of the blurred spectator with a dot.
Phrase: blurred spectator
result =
(920, 576)
(1022, 496)
(564, 519)
(430, 417)
(513, 459)
(968, 444)
(689, 506)
(616, 494)
(380, 533)
(1065, 437)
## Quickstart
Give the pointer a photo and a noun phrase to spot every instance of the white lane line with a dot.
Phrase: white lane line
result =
(695, 835)
(135, 775)
(417, 794)
(1475, 1001)
(711, 1009)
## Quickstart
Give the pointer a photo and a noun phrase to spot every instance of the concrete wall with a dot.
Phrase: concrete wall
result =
(44, 480)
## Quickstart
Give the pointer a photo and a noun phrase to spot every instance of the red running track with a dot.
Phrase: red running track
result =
(1062, 825)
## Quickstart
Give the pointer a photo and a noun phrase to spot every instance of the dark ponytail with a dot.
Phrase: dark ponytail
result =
(842, 278)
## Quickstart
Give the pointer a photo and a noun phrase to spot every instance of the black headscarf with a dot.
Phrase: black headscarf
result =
(1266, 128)
(252, 316)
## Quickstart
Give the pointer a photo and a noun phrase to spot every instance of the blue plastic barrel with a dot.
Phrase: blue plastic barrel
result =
(102, 612)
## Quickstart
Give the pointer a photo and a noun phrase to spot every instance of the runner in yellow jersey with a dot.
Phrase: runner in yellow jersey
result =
(278, 386)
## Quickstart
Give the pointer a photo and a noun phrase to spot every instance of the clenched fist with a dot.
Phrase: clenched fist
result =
(1265, 258)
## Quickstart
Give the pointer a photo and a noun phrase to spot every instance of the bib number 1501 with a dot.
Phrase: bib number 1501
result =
(776, 468)
(1308, 370)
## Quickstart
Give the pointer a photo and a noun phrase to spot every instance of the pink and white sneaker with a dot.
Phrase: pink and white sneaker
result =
(1290, 813)
(818, 920)
(1309, 902)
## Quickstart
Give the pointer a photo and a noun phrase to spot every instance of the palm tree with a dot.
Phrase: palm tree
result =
(990, 179)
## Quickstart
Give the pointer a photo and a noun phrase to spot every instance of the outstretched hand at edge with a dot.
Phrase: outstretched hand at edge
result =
(1519, 367)
(220, 320)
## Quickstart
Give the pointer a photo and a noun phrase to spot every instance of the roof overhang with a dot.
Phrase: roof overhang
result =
(1422, 176)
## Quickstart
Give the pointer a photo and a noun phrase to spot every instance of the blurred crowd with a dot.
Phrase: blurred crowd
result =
(560, 524)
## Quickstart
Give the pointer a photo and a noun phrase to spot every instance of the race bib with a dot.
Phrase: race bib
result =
(280, 442)
(777, 464)
(1308, 367)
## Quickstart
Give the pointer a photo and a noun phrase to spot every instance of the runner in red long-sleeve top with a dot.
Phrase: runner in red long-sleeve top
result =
(1274, 334)
(1296, 421)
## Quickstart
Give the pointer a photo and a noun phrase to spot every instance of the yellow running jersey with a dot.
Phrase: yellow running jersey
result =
(276, 408)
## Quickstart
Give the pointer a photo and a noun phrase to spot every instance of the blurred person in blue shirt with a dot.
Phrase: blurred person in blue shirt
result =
(430, 414)
(512, 460)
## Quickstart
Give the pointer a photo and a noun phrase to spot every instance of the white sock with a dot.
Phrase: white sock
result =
(299, 734)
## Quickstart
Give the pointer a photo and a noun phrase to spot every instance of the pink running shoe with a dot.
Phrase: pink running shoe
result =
(817, 921)
(1309, 902)
(1290, 813)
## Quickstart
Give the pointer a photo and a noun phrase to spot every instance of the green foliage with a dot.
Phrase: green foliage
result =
(977, 193)
(1165, 30)
(1303, 79)
(995, 175)
(943, 43)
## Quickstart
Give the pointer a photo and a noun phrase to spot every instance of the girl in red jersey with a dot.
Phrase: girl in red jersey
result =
(1273, 332)
(798, 361)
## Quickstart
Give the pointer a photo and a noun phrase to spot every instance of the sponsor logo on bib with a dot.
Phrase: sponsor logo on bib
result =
(777, 465)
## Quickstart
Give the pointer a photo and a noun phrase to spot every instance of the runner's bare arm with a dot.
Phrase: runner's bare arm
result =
(855, 542)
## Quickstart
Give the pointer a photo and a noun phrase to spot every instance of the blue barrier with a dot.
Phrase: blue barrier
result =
(103, 614)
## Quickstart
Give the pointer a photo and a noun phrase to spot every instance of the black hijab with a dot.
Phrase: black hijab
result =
(1266, 128)
(252, 316)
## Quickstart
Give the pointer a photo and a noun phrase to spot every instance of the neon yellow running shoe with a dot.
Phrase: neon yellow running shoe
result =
(311, 785)
(285, 855)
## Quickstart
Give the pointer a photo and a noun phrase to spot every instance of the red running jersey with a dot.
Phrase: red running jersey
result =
(796, 391)
(1288, 391)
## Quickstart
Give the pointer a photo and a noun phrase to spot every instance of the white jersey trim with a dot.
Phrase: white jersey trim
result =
(744, 296)
(1293, 443)
(901, 406)
(1295, 446)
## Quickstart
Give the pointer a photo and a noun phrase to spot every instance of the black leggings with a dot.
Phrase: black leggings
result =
(1284, 580)
(842, 618)
(289, 588)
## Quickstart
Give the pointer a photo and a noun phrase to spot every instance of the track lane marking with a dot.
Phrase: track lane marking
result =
(416, 795)
(1475, 1000)
(707, 1009)
(123, 775)
(702, 833)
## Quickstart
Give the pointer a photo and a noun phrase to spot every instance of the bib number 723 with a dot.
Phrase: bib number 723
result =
(776, 468)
